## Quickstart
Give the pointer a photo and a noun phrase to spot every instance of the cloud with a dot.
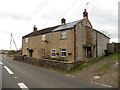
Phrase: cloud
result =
(13, 16)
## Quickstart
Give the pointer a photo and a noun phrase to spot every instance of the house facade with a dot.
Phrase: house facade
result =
(69, 42)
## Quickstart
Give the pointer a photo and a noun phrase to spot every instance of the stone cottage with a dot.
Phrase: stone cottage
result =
(69, 42)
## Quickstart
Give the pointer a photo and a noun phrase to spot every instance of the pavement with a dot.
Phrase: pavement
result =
(15, 74)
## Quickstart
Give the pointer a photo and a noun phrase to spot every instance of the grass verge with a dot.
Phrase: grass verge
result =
(93, 61)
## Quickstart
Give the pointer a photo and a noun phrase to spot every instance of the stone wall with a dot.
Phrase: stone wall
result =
(54, 41)
(46, 62)
(102, 41)
(113, 47)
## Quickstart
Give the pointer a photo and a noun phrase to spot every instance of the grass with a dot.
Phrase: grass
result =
(11, 55)
(104, 67)
(93, 61)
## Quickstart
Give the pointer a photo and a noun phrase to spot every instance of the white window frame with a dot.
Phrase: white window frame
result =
(43, 37)
(63, 34)
(54, 52)
(26, 40)
(63, 52)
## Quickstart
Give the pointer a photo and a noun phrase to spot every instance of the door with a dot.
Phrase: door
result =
(88, 52)
(30, 53)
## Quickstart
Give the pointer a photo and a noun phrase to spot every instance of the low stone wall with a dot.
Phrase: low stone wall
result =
(46, 62)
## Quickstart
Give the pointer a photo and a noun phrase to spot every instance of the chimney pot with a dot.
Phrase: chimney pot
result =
(63, 21)
(85, 14)
(34, 28)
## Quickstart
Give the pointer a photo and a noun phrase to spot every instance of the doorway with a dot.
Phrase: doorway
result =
(88, 52)
(30, 53)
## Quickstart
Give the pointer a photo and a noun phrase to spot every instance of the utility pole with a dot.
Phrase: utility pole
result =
(12, 39)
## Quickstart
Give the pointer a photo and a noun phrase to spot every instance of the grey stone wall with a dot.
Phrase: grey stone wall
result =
(46, 62)
(102, 41)
(113, 47)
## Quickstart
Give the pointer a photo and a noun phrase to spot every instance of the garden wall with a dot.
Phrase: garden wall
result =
(46, 62)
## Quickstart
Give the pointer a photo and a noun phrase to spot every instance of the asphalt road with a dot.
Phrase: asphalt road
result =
(16, 74)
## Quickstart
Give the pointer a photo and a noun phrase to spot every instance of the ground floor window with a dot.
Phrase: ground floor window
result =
(53, 52)
(63, 52)
(42, 52)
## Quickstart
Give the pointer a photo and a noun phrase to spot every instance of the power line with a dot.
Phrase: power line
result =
(96, 6)
(68, 10)
(37, 10)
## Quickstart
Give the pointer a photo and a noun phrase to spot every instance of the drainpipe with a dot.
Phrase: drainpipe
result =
(22, 47)
(74, 43)
(96, 45)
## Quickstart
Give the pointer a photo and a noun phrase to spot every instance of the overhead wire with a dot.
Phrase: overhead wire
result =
(37, 10)
(67, 10)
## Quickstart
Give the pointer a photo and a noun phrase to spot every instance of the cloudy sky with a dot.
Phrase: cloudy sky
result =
(19, 17)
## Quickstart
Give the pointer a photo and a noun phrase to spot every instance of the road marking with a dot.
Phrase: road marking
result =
(101, 84)
(9, 71)
(70, 76)
(1, 63)
(23, 86)
(15, 77)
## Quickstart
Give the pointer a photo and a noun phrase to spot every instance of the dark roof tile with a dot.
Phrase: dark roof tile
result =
(40, 32)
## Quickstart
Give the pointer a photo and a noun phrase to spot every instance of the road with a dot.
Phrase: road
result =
(20, 75)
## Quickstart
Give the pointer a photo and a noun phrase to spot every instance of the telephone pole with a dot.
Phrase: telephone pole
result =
(12, 39)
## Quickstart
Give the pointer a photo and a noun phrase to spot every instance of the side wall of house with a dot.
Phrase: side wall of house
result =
(91, 40)
(102, 41)
(81, 39)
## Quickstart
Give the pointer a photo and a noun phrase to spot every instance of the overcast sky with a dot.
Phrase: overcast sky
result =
(19, 17)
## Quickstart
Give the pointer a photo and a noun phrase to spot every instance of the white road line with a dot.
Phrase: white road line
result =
(101, 84)
(70, 76)
(9, 71)
(1, 63)
(23, 86)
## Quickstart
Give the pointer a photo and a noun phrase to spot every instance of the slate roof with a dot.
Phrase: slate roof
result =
(40, 32)
(53, 29)
(67, 25)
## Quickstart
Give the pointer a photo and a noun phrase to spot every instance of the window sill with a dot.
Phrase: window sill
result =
(63, 38)
(64, 56)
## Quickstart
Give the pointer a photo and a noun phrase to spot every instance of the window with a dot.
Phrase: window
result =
(43, 37)
(42, 52)
(63, 34)
(63, 52)
(26, 40)
(53, 52)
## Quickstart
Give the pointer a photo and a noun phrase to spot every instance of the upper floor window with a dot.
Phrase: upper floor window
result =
(53, 52)
(43, 37)
(63, 34)
(26, 40)
(63, 52)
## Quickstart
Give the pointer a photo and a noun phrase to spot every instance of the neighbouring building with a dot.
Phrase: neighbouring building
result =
(113, 47)
(71, 42)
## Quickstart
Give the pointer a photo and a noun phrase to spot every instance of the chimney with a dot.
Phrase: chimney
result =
(34, 28)
(85, 14)
(63, 21)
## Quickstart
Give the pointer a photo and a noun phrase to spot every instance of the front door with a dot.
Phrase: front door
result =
(30, 53)
(88, 52)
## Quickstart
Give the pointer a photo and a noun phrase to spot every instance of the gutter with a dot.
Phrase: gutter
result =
(96, 45)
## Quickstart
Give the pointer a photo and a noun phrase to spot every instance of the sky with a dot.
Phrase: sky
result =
(19, 16)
